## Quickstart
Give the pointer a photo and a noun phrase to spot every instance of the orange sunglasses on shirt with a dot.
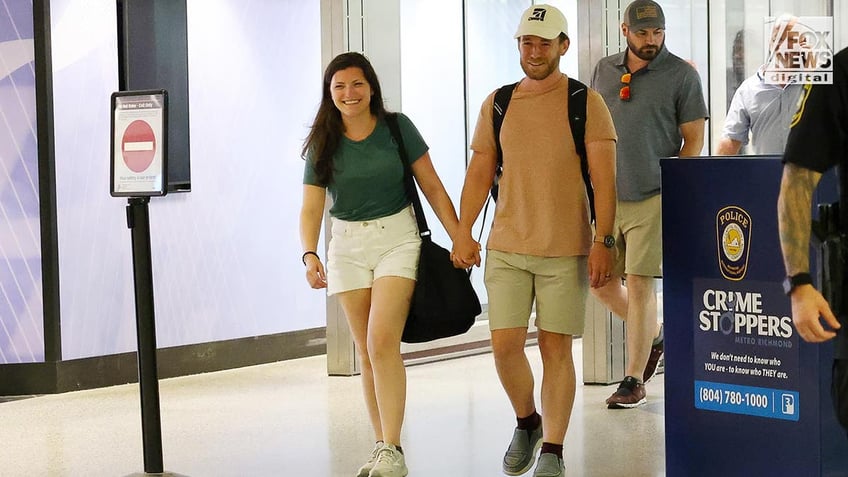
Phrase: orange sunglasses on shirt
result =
(624, 92)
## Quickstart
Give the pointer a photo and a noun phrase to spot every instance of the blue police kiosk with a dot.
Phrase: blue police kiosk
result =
(745, 396)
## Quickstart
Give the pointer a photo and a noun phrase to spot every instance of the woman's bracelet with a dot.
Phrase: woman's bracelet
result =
(303, 258)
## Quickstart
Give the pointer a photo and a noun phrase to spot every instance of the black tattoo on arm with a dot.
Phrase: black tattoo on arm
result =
(794, 216)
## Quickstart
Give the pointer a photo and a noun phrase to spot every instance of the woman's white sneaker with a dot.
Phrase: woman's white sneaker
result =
(390, 463)
(366, 468)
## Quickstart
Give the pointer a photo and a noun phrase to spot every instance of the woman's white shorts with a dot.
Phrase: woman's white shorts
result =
(363, 251)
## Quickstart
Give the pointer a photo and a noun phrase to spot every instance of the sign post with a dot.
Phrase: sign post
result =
(138, 222)
(138, 172)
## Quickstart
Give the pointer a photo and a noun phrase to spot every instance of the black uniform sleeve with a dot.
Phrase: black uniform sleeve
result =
(818, 139)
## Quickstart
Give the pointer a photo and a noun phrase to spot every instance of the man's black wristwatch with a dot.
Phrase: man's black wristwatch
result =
(608, 241)
(794, 281)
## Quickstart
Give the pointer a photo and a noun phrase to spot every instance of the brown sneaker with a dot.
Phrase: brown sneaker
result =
(654, 359)
(630, 393)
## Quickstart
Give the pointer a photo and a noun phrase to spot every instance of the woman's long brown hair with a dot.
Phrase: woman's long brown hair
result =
(327, 128)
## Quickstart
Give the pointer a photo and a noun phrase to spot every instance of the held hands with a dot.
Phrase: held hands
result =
(315, 275)
(600, 265)
(808, 306)
(466, 251)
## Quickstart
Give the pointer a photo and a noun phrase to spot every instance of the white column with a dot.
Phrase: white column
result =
(371, 27)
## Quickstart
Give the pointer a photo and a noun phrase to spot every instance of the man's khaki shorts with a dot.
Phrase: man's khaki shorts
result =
(638, 237)
(559, 286)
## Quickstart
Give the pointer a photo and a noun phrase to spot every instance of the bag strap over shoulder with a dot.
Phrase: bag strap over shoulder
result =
(408, 179)
(577, 114)
(577, 94)
(499, 106)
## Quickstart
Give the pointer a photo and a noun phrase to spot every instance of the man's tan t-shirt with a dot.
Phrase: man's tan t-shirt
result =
(542, 207)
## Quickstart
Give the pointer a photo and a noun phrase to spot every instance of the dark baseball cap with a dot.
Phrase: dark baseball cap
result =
(644, 14)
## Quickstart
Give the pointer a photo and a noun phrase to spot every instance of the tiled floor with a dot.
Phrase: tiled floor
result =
(291, 419)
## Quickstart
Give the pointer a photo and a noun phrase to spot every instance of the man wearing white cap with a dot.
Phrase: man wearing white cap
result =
(540, 247)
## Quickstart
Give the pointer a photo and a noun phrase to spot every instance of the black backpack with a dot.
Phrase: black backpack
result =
(576, 119)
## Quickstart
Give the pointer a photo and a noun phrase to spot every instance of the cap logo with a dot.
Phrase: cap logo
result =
(648, 11)
(538, 15)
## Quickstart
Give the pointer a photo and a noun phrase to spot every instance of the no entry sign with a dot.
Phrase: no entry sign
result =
(138, 145)
(139, 148)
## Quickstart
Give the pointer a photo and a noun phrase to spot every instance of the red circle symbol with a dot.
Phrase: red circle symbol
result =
(138, 146)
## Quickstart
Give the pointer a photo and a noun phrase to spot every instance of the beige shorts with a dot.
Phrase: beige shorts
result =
(361, 252)
(638, 237)
(559, 286)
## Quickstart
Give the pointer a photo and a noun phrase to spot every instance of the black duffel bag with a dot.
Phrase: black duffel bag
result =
(444, 302)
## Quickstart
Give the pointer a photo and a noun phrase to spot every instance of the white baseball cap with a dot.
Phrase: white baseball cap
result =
(543, 21)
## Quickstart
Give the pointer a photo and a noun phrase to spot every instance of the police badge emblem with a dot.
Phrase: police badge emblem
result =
(733, 238)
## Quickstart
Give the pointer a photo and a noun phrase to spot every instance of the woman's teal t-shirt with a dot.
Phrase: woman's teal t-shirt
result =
(368, 174)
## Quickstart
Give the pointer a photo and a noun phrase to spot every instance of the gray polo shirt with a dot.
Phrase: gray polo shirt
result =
(663, 95)
(764, 111)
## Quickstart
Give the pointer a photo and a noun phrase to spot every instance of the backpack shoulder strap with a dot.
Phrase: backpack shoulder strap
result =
(499, 106)
(577, 94)
(577, 114)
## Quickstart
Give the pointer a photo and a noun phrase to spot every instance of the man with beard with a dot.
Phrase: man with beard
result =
(540, 247)
(657, 104)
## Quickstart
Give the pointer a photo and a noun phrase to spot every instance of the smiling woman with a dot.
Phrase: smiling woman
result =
(352, 96)
(372, 259)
